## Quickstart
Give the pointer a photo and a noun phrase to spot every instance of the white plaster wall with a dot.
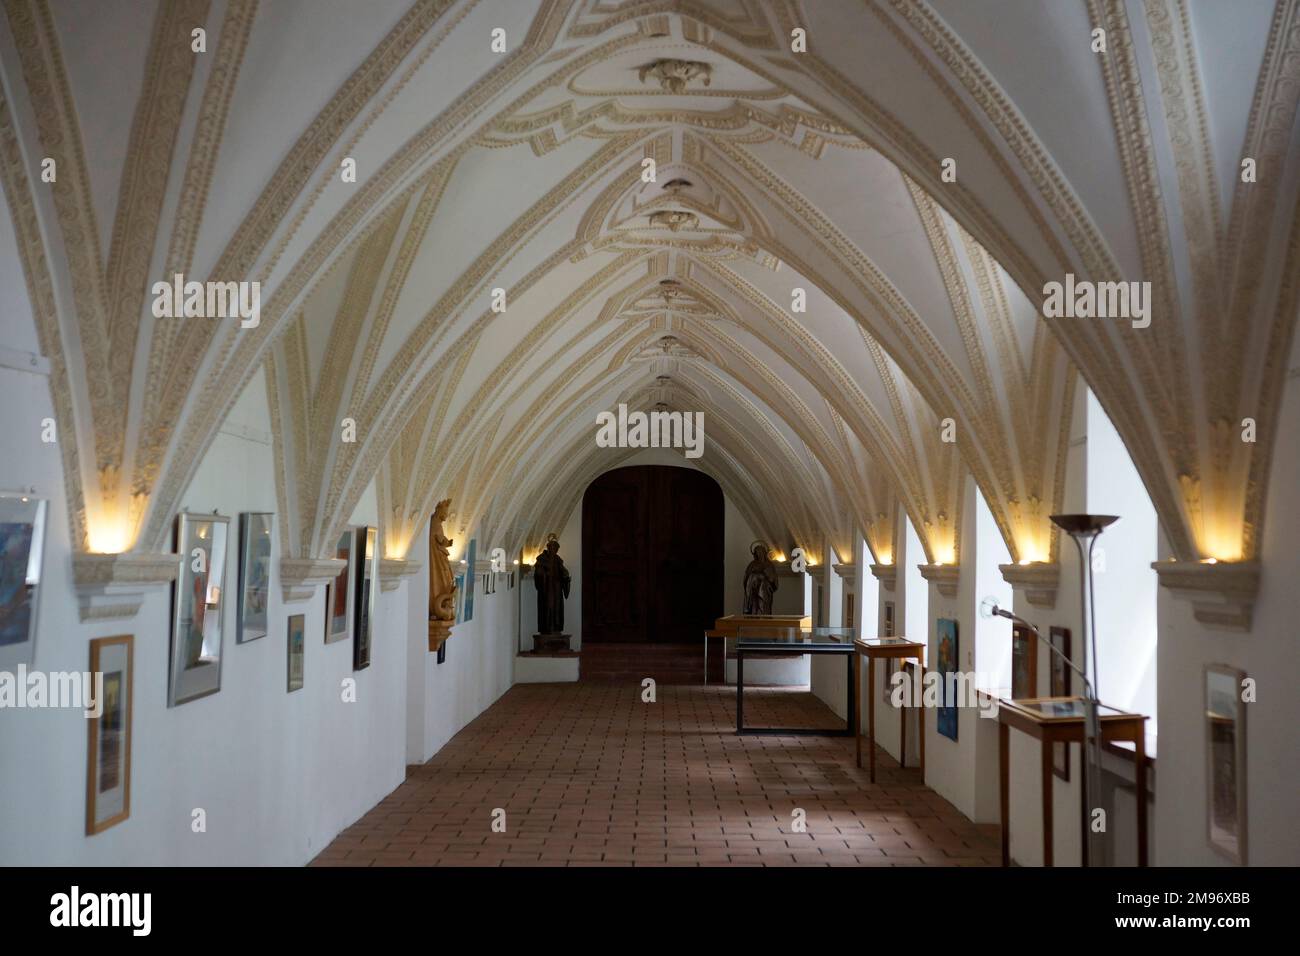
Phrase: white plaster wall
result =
(278, 774)
(1270, 653)
(479, 664)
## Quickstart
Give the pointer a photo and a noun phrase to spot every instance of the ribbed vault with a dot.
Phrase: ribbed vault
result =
(779, 177)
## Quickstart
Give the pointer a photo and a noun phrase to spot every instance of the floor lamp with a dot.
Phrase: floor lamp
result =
(1085, 529)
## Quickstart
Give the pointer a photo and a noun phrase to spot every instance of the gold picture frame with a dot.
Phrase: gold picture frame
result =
(1225, 762)
(108, 735)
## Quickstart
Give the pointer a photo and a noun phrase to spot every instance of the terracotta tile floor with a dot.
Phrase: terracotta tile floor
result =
(589, 775)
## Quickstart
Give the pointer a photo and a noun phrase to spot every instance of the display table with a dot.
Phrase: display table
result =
(885, 648)
(798, 643)
(728, 628)
(1061, 720)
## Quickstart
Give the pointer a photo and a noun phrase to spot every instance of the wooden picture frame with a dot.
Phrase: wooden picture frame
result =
(1024, 663)
(295, 651)
(948, 661)
(1225, 762)
(1059, 682)
(108, 735)
(198, 607)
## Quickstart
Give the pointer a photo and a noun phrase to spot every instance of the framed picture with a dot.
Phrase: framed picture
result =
(1024, 663)
(442, 652)
(1059, 686)
(22, 544)
(460, 598)
(367, 561)
(1225, 755)
(848, 609)
(254, 576)
(949, 660)
(297, 649)
(108, 750)
(197, 605)
(470, 578)
(338, 594)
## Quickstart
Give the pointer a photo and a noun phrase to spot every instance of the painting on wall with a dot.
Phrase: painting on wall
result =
(470, 578)
(338, 594)
(197, 607)
(460, 598)
(946, 718)
(1225, 737)
(254, 576)
(297, 650)
(22, 541)
(1059, 686)
(108, 751)
(367, 561)
(1024, 663)
(848, 609)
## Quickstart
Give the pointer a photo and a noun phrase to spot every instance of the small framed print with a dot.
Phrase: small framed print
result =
(108, 752)
(297, 639)
(1225, 754)
(254, 576)
(338, 593)
(1059, 686)
(198, 598)
(22, 541)
(1024, 663)
(367, 567)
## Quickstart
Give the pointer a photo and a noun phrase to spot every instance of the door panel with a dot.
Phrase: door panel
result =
(652, 555)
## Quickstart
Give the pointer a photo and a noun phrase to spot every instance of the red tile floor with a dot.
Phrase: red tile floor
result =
(588, 774)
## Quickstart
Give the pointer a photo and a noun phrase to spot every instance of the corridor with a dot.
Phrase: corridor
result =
(590, 775)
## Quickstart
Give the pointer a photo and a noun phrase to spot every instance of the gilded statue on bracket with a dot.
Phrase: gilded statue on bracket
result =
(442, 586)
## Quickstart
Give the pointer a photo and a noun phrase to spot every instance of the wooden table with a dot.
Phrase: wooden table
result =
(885, 648)
(1061, 720)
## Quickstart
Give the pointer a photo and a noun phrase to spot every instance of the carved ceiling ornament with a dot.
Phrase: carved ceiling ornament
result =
(674, 219)
(673, 76)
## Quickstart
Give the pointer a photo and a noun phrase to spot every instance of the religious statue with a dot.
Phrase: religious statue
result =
(442, 586)
(760, 581)
(552, 580)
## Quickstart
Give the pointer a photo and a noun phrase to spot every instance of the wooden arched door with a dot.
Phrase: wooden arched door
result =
(652, 555)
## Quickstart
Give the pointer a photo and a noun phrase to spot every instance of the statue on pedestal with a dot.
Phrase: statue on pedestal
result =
(760, 581)
(551, 578)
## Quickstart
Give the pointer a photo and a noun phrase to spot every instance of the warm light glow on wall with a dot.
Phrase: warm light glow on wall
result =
(108, 533)
(396, 545)
(945, 554)
(1222, 544)
(779, 557)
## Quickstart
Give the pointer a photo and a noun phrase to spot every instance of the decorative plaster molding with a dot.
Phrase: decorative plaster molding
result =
(1039, 581)
(111, 586)
(392, 570)
(886, 574)
(674, 75)
(299, 577)
(946, 577)
(1222, 594)
(845, 570)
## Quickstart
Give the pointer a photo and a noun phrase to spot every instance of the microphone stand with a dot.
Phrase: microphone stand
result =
(1091, 732)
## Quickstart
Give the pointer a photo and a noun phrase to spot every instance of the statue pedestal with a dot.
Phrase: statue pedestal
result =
(439, 631)
(551, 642)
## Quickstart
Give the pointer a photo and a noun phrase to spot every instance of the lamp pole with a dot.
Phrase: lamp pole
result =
(1085, 529)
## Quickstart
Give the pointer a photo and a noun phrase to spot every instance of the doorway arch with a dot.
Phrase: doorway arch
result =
(652, 555)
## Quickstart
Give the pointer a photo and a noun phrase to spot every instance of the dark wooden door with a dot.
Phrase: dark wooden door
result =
(652, 546)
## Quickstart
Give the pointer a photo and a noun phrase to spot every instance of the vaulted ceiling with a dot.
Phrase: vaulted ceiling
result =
(794, 262)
